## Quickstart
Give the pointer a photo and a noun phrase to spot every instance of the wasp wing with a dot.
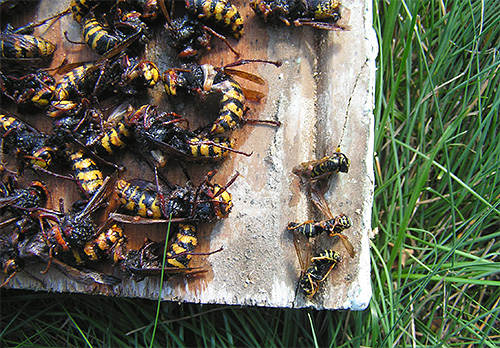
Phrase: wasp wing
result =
(245, 75)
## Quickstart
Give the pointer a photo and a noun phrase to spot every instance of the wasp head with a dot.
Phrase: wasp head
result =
(344, 162)
(171, 80)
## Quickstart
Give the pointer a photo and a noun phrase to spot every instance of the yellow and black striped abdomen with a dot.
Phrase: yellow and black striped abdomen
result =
(99, 248)
(219, 12)
(231, 106)
(114, 139)
(317, 272)
(97, 37)
(86, 172)
(309, 229)
(334, 164)
(25, 46)
(80, 8)
(138, 201)
(185, 242)
(212, 149)
(67, 86)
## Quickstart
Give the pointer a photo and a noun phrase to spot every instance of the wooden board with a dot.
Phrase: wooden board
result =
(323, 97)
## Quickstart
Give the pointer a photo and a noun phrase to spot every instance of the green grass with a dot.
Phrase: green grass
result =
(435, 259)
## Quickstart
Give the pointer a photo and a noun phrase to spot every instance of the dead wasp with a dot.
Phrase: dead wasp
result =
(75, 122)
(117, 132)
(25, 49)
(20, 205)
(206, 79)
(70, 84)
(22, 200)
(73, 229)
(108, 244)
(19, 47)
(97, 37)
(145, 205)
(30, 146)
(160, 135)
(88, 127)
(87, 174)
(323, 168)
(218, 12)
(334, 225)
(148, 261)
(36, 247)
(189, 36)
(320, 14)
(112, 73)
(93, 80)
(102, 39)
(81, 8)
(34, 89)
(179, 254)
(318, 270)
(312, 229)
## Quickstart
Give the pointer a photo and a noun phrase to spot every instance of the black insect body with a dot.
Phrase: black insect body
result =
(333, 225)
(323, 168)
(320, 14)
(189, 37)
(95, 80)
(204, 203)
(35, 89)
(73, 229)
(319, 269)
(109, 244)
(148, 260)
(161, 136)
(37, 248)
(19, 200)
(313, 229)
(30, 146)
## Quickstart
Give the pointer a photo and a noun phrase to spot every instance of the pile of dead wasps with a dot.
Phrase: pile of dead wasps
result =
(85, 137)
